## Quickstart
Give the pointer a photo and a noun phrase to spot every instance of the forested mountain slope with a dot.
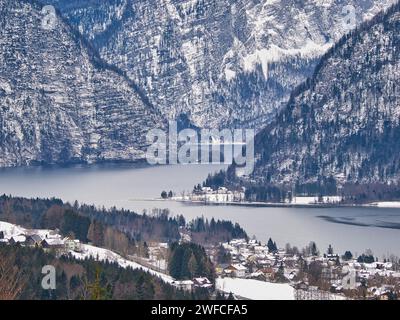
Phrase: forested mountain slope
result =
(342, 125)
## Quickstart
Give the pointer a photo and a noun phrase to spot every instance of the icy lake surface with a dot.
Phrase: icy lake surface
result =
(128, 186)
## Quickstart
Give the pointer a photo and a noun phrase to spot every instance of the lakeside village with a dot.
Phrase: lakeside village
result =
(245, 269)
(223, 195)
(208, 195)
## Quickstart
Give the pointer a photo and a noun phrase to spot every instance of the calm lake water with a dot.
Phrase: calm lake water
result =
(355, 229)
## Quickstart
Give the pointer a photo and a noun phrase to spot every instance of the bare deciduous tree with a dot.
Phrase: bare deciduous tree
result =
(11, 280)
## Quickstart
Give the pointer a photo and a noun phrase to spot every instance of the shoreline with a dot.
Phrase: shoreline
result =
(380, 205)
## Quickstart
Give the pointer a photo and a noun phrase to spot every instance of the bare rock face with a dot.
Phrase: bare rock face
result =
(59, 103)
(221, 62)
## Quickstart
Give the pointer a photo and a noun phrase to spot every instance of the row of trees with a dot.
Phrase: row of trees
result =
(21, 277)
(72, 223)
(119, 230)
(189, 260)
(213, 231)
(166, 195)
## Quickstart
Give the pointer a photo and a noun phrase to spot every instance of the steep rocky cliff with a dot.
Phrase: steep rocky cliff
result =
(59, 102)
(221, 62)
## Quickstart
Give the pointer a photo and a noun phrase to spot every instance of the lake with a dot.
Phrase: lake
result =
(125, 186)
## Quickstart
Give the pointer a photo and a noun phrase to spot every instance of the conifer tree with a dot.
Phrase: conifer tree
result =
(96, 290)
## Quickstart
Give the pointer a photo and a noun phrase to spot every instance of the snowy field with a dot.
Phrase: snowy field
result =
(255, 290)
(314, 200)
(12, 230)
(388, 204)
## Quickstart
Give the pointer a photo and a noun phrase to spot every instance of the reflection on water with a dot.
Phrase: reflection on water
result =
(354, 229)
(376, 222)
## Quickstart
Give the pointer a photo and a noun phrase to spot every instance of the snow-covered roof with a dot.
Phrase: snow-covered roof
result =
(19, 239)
(35, 237)
(202, 280)
(256, 274)
(260, 248)
(71, 240)
(239, 267)
(264, 262)
(183, 282)
(53, 236)
(54, 242)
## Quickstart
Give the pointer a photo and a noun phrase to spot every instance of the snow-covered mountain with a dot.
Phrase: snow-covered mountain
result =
(343, 124)
(221, 62)
(58, 101)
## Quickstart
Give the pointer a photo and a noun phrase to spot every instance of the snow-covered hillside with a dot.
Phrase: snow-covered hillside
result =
(12, 230)
(86, 251)
(102, 254)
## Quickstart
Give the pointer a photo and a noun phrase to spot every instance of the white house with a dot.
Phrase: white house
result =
(53, 243)
(185, 285)
(73, 245)
(18, 239)
(202, 283)
(238, 269)
(221, 195)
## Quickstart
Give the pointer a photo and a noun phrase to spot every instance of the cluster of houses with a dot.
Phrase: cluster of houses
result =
(221, 195)
(252, 260)
(189, 285)
(48, 241)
